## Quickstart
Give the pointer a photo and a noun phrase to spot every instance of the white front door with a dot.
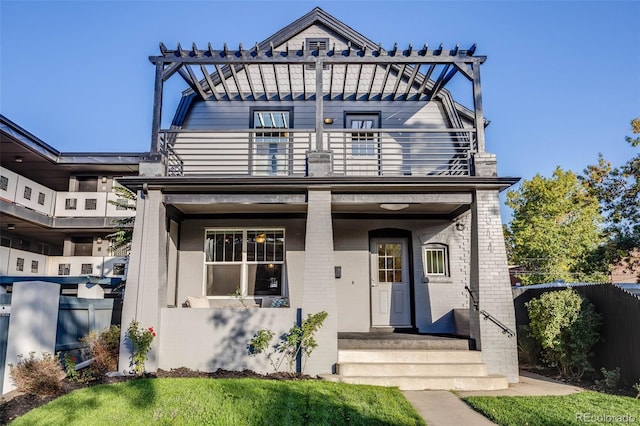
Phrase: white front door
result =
(390, 284)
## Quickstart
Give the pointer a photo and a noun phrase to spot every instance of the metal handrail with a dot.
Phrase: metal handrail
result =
(487, 316)
(283, 152)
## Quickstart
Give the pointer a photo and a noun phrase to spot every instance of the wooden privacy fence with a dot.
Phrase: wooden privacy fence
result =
(619, 344)
(77, 317)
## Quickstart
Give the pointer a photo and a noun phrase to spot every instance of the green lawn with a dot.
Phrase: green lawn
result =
(576, 409)
(227, 402)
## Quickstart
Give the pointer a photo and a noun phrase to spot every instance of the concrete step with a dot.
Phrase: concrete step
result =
(400, 341)
(411, 369)
(491, 382)
(409, 356)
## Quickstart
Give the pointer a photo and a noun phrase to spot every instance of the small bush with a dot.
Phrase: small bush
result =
(528, 347)
(610, 379)
(566, 326)
(636, 387)
(141, 341)
(104, 348)
(38, 376)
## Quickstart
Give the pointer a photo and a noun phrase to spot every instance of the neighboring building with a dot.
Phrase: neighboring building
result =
(319, 171)
(55, 213)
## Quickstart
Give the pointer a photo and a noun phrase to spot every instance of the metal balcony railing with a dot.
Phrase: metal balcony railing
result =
(283, 152)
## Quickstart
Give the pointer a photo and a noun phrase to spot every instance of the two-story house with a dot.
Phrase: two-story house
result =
(318, 171)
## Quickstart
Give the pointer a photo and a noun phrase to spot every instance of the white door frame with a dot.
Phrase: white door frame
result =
(391, 301)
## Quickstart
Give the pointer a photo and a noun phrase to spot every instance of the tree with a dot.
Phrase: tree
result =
(618, 190)
(124, 227)
(554, 230)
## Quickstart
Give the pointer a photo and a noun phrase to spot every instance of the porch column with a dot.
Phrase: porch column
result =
(319, 292)
(491, 287)
(146, 288)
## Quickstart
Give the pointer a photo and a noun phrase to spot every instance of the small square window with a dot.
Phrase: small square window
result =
(70, 203)
(41, 197)
(34, 266)
(86, 269)
(64, 269)
(90, 204)
(20, 264)
(4, 183)
(118, 268)
(27, 193)
(435, 260)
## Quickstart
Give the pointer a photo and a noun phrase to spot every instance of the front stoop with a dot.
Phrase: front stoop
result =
(416, 369)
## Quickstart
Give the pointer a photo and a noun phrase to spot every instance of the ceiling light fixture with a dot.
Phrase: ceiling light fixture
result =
(19, 159)
(11, 226)
(394, 207)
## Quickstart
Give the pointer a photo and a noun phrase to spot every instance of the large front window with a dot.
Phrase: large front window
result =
(244, 262)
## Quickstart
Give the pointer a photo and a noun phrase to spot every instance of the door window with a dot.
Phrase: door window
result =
(272, 142)
(389, 262)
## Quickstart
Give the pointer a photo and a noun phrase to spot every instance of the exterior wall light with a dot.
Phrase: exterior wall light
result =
(328, 120)
(11, 226)
(394, 207)
(460, 226)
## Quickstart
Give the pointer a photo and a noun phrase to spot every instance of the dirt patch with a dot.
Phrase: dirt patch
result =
(19, 404)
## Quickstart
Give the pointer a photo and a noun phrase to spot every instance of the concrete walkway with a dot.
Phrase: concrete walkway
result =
(444, 408)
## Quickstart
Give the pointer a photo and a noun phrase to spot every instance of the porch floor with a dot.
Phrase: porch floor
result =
(390, 340)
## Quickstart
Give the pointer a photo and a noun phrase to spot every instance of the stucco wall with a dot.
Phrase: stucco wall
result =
(208, 339)
(434, 297)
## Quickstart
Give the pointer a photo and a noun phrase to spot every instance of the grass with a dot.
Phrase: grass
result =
(197, 401)
(574, 409)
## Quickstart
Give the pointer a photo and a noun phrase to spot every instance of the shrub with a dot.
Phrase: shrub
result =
(528, 347)
(566, 326)
(141, 340)
(104, 348)
(300, 339)
(610, 379)
(38, 376)
(636, 387)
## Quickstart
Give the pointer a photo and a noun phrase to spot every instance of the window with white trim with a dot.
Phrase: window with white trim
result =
(245, 262)
(435, 260)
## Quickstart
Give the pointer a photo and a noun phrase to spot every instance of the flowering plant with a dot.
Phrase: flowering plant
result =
(141, 340)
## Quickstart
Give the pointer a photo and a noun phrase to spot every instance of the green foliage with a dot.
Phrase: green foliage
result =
(70, 361)
(141, 340)
(200, 401)
(528, 347)
(636, 387)
(300, 339)
(567, 410)
(610, 379)
(618, 190)
(566, 326)
(122, 237)
(38, 376)
(554, 230)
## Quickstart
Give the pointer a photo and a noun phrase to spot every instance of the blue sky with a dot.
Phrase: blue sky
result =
(561, 83)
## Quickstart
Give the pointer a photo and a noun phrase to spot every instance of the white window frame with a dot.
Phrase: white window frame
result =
(244, 263)
(427, 249)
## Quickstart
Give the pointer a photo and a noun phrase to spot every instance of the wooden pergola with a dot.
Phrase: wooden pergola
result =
(396, 74)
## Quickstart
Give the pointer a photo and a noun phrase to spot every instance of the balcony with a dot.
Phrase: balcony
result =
(381, 152)
(24, 263)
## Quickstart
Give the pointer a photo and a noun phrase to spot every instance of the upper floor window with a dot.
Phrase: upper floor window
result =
(118, 268)
(41, 198)
(70, 203)
(248, 262)
(363, 139)
(4, 183)
(90, 204)
(27, 193)
(435, 259)
(19, 264)
(86, 269)
(34, 266)
(271, 141)
(64, 269)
